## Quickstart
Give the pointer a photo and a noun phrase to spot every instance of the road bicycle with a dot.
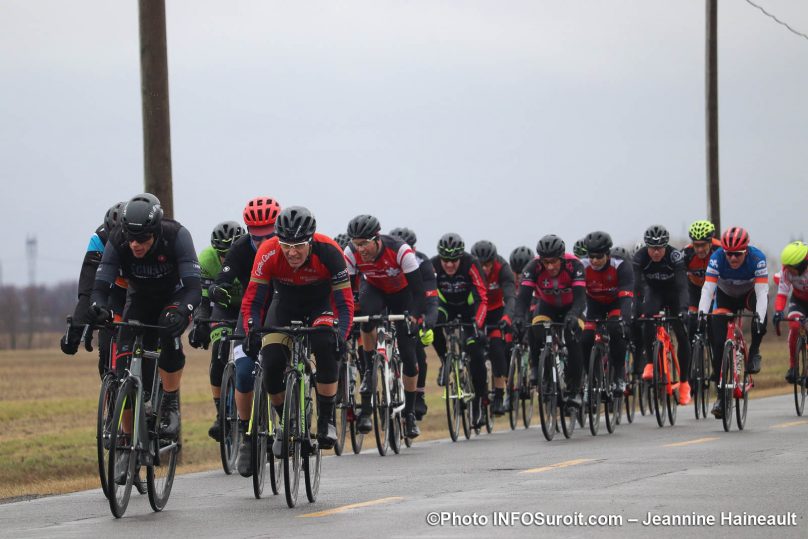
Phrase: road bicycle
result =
(601, 385)
(520, 391)
(734, 380)
(800, 364)
(458, 391)
(552, 383)
(666, 378)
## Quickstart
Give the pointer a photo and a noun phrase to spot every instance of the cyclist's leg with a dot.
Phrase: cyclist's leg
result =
(594, 311)
(757, 331)
(372, 300)
(104, 349)
(439, 342)
(682, 340)
(693, 298)
(499, 362)
(478, 372)
(617, 346)
(324, 347)
(652, 303)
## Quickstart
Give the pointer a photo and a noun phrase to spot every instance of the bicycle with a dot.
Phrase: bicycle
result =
(800, 364)
(457, 388)
(351, 373)
(666, 378)
(701, 373)
(734, 380)
(632, 392)
(143, 444)
(552, 383)
(520, 391)
(601, 385)
(387, 384)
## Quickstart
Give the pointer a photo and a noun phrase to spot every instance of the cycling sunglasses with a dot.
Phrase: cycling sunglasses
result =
(735, 254)
(297, 246)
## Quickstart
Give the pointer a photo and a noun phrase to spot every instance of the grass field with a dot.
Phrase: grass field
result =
(48, 408)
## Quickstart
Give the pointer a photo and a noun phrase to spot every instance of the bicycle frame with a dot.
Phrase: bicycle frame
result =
(735, 337)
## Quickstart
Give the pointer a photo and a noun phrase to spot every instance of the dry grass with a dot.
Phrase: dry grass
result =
(48, 409)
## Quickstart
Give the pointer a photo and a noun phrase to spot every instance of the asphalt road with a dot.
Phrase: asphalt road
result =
(694, 469)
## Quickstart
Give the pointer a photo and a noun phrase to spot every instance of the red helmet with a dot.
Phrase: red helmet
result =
(735, 238)
(261, 212)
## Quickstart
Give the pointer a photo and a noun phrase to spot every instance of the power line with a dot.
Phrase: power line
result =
(778, 21)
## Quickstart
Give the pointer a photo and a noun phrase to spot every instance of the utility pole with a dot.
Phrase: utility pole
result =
(31, 300)
(154, 94)
(713, 200)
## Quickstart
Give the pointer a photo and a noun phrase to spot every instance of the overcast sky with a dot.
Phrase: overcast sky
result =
(497, 120)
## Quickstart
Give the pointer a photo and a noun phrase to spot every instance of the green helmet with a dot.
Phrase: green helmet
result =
(701, 230)
(794, 253)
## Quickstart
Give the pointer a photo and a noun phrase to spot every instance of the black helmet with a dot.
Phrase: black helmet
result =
(621, 253)
(342, 240)
(579, 249)
(551, 246)
(598, 242)
(484, 251)
(363, 227)
(142, 215)
(113, 216)
(656, 236)
(406, 235)
(451, 246)
(519, 258)
(224, 234)
(295, 224)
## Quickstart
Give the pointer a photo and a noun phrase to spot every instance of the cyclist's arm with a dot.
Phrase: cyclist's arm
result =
(416, 285)
(430, 291)
(188, 269)
(527, 287)
(341, 291)
(92, 258)
(710, 283)
(479, 294)
(625, 289)
(578, 289)
(232, 267)
(105, 276)
(761, 287)
(507, 283)
(784, 288)
(680, 277)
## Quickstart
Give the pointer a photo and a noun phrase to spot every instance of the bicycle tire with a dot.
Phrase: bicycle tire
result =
(340, 408)
(228, 421)
(595, 389)
(658, 386)
(486, 402)
(160, 473)
(611, 404)
(122, 443)
(396, 391)
(630, 396)
(548, 395)
(357, 438)
(728, 383)
(801, 368)
(672, 398)
(742, 395)
(106, 407)
(697, 375)
(258, 438)
(710, 387)
(291, 439)
(513, 389)
(526, 396)
(381, 407)
(452, 396)
(468, 395)
(312, 456)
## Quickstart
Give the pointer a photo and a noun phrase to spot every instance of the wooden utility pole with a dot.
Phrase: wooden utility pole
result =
(713, 200)
(154, 93)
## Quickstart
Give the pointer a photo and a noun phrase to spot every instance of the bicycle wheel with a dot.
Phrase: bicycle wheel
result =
(710, 387)
(548, 394)
(486, 402)
(467, 395)
(697, 375)
(228, 421)
(275, 464)
(611, 400)
(341, 408)
(672, 398)
(106, 407)
(312, 455)
(742, 392)
(630, 395)
(357, 438)
(658, 384)
(728, 384)
(642, 396)
(381, 406)
(454, 402)
(513, 389)
(527, 392)
(596, 382)
(160, 474)
(122, 448)
(801, 366)
(291, 438)
(258, 438)
(396, 400)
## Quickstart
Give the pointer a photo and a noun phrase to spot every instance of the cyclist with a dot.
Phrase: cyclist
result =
(204, 334)
(391, 280)
(425, 336)
(609, 293)
(462, 292)
(793, 285)
(659, 273)
(157, 258)
(519, 258)
(259, 216)
(579, 248)
(557, 278)
(92, 258)
(740, 274)
(697, 256)
(311, 281)
(499, 312)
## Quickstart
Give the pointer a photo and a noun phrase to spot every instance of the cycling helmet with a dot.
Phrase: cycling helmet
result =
(701, 230)
(406, 235)
(113, 216)
(261, 212)
(295, 224)
(598, 242)
(735, 238)
(484, 251)
(451, 246)
(621, 253)
(657, 236)
(363, 227)
(224, 234)
(342, 240)
(551, 246)
(579, 249)
(794, 254)
(520, 257)
(141, 215)
(639, 246)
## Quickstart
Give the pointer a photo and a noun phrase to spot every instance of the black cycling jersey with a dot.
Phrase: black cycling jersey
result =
(466, 288)
(238, 262)
(667, 276)
(430, 288)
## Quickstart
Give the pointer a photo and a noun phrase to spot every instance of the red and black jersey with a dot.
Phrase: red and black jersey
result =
(466, 288)
(322, 278)
(612, 282)
(501, 286)
(386, 272)
(564, 290)
(697, 267)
